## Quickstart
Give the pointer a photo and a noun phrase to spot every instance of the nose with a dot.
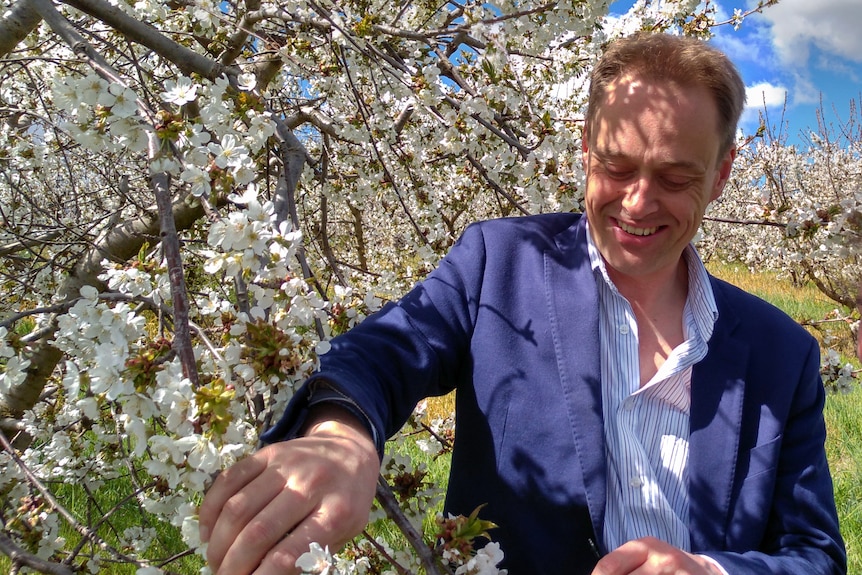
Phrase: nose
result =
(639, 197)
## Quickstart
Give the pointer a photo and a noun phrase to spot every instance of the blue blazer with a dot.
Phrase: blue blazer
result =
(510, 320)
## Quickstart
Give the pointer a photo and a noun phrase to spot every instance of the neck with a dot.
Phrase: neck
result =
(657, 292)
(658, 302)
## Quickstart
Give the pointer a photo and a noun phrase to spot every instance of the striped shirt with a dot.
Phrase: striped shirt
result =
(647, 428)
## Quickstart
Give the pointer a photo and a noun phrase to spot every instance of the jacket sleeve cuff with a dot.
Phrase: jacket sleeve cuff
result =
(316, 392)
(717, 565)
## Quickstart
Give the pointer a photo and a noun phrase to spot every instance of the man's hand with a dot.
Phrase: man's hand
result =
(650, 556)
(264, 512)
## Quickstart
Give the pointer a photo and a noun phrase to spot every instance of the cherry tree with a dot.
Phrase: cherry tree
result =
(195, 196)
(797, 210)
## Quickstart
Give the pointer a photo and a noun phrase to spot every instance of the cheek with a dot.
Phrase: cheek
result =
(688, 207)
(599, 192)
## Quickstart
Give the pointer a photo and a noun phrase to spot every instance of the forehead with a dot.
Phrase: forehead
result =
(640, 116)
(669, 100)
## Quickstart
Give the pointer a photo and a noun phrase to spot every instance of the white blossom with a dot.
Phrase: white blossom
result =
(229, 153)
(179, 92)
(315, 561)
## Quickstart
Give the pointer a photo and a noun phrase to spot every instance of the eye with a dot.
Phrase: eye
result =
(616, 172)
(676, 182)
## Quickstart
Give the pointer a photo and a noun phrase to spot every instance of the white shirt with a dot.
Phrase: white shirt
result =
(647, 428)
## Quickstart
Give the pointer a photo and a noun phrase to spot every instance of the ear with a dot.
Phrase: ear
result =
(725, 166)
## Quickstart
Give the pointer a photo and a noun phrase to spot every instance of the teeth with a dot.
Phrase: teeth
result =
(637, 231)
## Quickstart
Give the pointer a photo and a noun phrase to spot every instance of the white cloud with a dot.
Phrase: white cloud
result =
(830, 25)
(805, 89)
(765, 94)
(797, 47)
(760, 96)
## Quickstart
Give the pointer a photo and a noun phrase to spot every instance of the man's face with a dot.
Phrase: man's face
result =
(651, 157)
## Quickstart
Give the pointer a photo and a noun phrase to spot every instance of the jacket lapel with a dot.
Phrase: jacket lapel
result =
(573, 310)
(717, 393)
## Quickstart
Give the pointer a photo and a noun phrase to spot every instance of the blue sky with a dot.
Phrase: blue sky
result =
(801, 50)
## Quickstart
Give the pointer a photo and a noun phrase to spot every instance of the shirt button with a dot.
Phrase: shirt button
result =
(629, 404)
(635, 482)
(624, 329)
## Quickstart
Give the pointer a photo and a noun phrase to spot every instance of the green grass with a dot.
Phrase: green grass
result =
(116, 509)
(844, 450)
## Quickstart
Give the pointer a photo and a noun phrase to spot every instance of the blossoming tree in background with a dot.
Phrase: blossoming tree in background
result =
(195, 196)
(797, 210)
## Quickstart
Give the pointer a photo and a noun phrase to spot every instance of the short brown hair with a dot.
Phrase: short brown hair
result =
(682, 60)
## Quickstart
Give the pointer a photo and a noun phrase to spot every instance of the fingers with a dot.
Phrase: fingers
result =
(254, 520)
(262, 514)
(224, 487)
(266, 526)
(651, 556)
(320, 526)
(624, 560)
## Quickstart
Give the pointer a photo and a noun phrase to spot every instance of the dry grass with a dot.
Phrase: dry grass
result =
(824, 318)
(442, 406)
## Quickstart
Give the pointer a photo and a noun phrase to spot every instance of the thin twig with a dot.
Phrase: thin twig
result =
(19, 557)
(386, 499)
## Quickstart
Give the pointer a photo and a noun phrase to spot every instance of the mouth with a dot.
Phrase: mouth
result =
(636, 231)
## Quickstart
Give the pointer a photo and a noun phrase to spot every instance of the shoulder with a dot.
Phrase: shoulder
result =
(756, 317)
(551, 223)
(505, 250)
(541, 231)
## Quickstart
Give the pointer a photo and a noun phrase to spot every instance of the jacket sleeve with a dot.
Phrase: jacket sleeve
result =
(409, 350)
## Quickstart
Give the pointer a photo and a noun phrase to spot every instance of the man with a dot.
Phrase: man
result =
(613, 399)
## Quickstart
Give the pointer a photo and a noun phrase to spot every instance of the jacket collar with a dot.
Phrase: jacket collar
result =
(574, 326)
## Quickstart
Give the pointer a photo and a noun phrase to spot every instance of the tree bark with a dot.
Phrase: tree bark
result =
(18, 22)
(188, 61)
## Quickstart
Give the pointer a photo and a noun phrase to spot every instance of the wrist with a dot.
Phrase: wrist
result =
(332, 420)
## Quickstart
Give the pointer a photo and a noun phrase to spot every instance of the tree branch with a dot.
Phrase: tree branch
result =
(119, 244)
(19, 557)
(387, 501)
(188, 61)
(17, 23)
(182, 343)
(744, 222)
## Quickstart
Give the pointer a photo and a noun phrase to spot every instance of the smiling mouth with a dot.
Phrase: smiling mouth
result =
(636, 231)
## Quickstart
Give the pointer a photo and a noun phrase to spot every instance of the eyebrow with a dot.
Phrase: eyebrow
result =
(605, 156)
